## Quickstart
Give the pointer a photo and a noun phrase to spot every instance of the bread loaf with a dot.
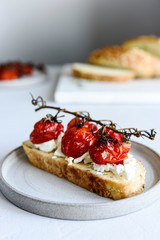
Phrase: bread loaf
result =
(142, 63)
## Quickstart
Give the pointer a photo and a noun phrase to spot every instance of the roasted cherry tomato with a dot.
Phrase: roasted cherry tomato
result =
(87, 125)
(8, 74)
(27, 69)
(77, 141)
(45, 131)
(14, 70)
(118, 140)
(103, 152)
(110, 133)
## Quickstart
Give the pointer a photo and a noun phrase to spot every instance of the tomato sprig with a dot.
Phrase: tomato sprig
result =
(104, 145)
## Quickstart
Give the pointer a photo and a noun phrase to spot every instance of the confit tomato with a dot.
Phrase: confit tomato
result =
(110, 133)
(45, 131)
(77, 141)
(118, 141)
(103, 152)
(87, 125)
(27, 69)
(8, 74)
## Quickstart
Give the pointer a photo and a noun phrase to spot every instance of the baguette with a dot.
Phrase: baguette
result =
(88, 71)
(106, 185)
(142, 63)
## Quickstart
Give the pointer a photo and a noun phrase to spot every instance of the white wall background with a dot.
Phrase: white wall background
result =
(59, 31)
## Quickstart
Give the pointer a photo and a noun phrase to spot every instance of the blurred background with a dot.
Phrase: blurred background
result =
(60, 31)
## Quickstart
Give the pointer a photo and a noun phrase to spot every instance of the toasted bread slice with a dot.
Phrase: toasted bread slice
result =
(106, 185)
(142, 63)
(88, 71)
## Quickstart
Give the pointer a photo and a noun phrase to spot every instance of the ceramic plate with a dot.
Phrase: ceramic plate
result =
(36, 77)
(44, 194)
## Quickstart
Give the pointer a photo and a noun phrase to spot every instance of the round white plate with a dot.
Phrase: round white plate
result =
(36, 77)
(44, 194)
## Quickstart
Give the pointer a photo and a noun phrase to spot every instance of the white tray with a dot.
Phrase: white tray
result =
(74, 90)
(44, 194)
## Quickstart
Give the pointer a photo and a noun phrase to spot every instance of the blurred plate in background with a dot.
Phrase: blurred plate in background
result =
(36, 77)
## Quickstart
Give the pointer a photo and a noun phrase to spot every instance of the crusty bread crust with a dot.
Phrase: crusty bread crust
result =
(151, 45)
(121, 78)
(143, 39)
(141, 62)
(107, 185)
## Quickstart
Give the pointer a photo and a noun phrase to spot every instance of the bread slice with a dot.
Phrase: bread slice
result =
(135, 59)
(88, 71)
(106, 185)
(149, 44)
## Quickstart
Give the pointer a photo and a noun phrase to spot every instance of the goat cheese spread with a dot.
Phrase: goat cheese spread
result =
(51, 145)
(126, 170)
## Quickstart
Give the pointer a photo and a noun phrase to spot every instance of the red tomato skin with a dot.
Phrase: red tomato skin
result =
(77, 141)
(103, 152)
(87, 125)
(45, 131)
(118, 136)
(72, 123)
(8, 74)
(27, 69)
(14, 70)
(112, 134)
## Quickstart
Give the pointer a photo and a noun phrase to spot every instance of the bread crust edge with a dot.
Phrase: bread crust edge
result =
(90, 76)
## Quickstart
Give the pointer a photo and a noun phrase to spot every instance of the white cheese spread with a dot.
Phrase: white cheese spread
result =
(51, 145)
(126, 170)
(46, 146)
(85, 158)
